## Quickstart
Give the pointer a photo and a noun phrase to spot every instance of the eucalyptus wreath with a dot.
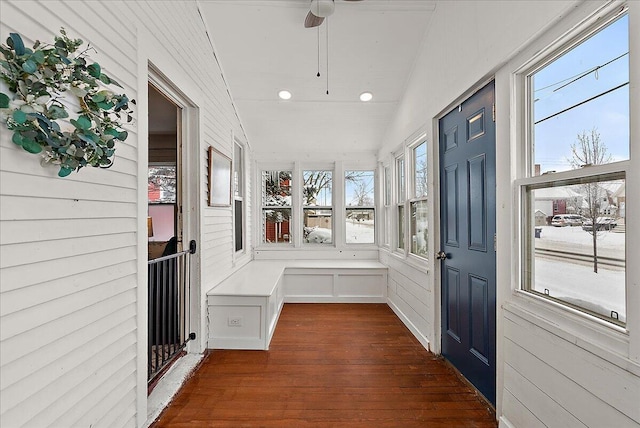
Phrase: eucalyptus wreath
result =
(41, 81)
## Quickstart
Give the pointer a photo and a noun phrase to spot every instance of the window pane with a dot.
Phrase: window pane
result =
(400, 177)
(359, 188)
(318, 226)
(583, 94)
(419, 230)
(276, 188)
(276, 225)
(276, 192)
(239, 241)
(401, 226)
(420, 170)
(387, 186)
(162, 184)
(316, 190)
(387, 225)
(578, 255)
(360, 226)
(237, 171)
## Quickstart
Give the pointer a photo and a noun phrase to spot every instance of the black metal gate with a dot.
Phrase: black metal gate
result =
(168, 323)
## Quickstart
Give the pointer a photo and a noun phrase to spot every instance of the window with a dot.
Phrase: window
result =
(387, 205)
(317, 209)
(579, 140)
(238, 196)
(276, 206)
(360, 207)
(400, 199)
(418, 204)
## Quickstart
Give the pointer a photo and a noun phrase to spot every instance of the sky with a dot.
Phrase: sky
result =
(609, 113)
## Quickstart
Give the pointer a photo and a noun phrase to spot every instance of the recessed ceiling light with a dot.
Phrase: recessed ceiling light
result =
(366, 96)
(284, 95)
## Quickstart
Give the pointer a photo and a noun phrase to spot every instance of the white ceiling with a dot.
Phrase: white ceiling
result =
(263, 47)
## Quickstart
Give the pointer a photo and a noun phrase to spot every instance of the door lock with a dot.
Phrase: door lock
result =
(441, 255)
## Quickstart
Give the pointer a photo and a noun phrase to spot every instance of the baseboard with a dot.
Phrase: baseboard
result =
(407, 322)
(504, 423)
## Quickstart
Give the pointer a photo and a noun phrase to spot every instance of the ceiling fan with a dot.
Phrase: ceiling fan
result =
(319, 10)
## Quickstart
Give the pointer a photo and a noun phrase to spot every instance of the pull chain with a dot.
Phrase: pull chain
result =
(318, 33)
(327, 19)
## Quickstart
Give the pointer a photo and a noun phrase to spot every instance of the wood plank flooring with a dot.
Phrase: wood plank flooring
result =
(329, 365)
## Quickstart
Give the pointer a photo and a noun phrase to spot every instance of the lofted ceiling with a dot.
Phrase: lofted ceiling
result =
(263, 47)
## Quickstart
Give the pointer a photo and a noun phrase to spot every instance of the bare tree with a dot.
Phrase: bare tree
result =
(589, 150)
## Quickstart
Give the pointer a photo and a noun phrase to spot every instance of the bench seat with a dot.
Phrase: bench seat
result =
(244, 308)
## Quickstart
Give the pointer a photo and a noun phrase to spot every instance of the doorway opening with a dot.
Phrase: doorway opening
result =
(169, 262)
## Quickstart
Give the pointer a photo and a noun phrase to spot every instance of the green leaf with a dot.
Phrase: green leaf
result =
(38, 56)
(57, 112)
(105, 79)
(4, 100)
(84, 122)
(31, 146)
(30, 66)
(19, 116)
(112, 131)
(99, 97)
(123, 135)
(94, 70)
(15, 41)
(64, 171)
(105, 106)
(17, 139)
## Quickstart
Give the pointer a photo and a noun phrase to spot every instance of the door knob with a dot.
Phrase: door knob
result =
(441, 255)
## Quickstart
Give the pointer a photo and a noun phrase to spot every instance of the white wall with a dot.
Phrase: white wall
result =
(73, 265)
(552, 374)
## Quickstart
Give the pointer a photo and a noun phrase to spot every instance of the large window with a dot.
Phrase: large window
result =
(360, 207)
(418, 203)
(276, 206)
(317, 207)
(574, 191)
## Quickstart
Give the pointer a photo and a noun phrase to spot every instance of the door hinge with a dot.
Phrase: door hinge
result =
(493, 112)
(495, 242)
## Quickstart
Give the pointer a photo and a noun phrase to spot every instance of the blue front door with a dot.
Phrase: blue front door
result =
(468, 226)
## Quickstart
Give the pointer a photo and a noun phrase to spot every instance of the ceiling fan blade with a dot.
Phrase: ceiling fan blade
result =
(312, 21)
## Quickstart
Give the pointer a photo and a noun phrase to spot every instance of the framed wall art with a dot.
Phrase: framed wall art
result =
(219, 179)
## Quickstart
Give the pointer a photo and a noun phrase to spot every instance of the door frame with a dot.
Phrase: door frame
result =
(435, 265)
(188, 209)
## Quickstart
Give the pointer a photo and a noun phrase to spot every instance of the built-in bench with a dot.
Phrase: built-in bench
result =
(244, 308)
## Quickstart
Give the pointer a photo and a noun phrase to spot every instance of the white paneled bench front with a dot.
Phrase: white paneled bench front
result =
(244, 308)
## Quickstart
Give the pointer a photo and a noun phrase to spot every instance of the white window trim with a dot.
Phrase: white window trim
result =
(373, 207)
(335, 199)
(411, 151)
(591, 333)
(257, 202)
(243, 253)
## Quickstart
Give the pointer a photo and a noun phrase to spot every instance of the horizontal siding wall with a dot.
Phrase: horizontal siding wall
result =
(562, 384)
(69, 270)
(410, 295)
(69, 246)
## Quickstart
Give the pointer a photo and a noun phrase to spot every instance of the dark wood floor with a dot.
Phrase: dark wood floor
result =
(337, 365)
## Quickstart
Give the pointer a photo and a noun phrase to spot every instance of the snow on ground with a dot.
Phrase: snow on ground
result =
(600, 292)
(360, 232)
(610, 240)
(357, 232)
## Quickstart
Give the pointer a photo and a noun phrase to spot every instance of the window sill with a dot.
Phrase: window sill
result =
(608, 341)
(410, 260)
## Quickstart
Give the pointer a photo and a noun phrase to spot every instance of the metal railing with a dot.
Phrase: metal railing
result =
(168, 318)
